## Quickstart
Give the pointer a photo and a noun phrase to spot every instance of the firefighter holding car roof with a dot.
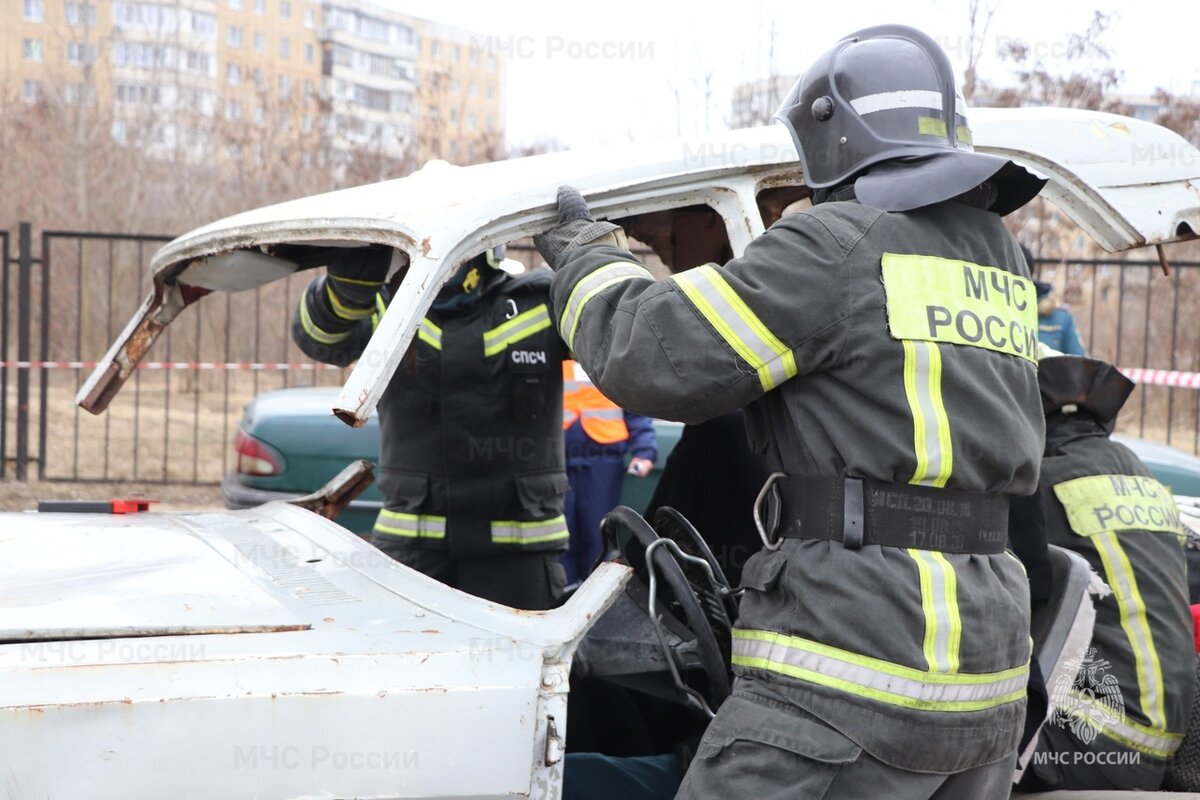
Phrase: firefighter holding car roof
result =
(471, 445)
(884, 346)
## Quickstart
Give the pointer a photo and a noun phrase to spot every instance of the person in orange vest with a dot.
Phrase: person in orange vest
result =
(599, 434)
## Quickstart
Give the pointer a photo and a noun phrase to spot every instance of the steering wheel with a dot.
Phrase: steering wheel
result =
(685, 606)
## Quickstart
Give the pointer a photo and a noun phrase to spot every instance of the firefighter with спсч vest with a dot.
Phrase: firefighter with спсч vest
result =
(471, 453)
(1125, 711)
(884, 344)
(598, 435)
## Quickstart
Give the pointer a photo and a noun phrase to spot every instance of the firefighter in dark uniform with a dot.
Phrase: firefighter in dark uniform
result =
(471, 456)
(1127, 709)
(884, 345)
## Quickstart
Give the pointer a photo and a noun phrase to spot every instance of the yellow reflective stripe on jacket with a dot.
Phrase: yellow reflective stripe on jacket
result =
(416, 526)
(1101, 503)
(1152, 741)
(520, 327)
(430, 334)
(931, 425)
(589, 286)
(1118, 572)
(939, 601)
(516, 532)
(740, 327)
(956, 302)
(380, 307)
(315, 333)
(344, 311)
(875, 678)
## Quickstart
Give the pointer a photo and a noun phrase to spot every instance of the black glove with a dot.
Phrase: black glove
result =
(357, 274)
(576, 227)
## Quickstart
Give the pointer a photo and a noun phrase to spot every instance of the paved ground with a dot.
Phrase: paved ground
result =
(15, 496)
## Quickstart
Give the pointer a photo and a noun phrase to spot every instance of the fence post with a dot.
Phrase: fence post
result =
(24, 294)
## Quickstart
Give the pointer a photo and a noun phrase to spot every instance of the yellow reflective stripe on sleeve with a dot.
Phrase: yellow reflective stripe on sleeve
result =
(1152, 741)
(875, 678)
(939, 600)
(315, 333)
(507, 531)
(956, 302)
(931, 425)
(740, 327)
(1119, 574)
(355, 281)
(380, 307)
(344, 311)
(522, 326)
(589, 286)
(430, 334)
(414, 526)
(1101, 503)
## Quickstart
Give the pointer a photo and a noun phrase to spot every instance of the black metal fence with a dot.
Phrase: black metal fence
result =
(67, 294)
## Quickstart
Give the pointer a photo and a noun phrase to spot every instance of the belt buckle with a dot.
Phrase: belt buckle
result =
(769, 537)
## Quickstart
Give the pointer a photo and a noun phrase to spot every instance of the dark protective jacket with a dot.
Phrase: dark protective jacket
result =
(471, 456)
(1101, 502)
(899, 347)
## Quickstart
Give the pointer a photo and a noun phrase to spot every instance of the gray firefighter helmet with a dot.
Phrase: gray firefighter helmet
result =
(882, 108)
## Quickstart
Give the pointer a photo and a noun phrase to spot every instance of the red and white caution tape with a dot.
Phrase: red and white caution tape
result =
(230, 365)
(1163, 377)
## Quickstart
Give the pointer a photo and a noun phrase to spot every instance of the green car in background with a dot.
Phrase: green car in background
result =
(288, 444)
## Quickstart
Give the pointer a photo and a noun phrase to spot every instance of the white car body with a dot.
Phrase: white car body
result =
(268, 653)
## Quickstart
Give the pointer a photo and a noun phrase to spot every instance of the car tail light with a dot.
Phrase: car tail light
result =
(255, 457)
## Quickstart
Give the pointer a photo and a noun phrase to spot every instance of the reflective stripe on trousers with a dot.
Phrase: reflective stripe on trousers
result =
(523, 533)
(416, 526)
(875, 678)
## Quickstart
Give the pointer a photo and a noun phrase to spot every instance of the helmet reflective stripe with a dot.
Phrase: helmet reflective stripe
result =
(886, 101)
(875, 678)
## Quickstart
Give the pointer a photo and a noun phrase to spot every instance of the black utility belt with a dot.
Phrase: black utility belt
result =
(859, 511)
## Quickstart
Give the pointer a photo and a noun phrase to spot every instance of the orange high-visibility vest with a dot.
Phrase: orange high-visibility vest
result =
(602, 419)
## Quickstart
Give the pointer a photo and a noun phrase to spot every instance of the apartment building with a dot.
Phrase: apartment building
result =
(180, 75)
(459, 95)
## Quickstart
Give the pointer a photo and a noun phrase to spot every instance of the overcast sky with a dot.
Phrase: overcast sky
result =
(604, 72)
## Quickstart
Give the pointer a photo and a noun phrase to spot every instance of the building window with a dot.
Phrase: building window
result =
(233, 109)
(435, 48)
(471, 89)
(73, 93)
(233, 74)
(32, 11)
(81, 14)
(118, 131)
(260, 7)
(310, 53)
(260, 41)
(234, 152)
(31, 50)
(454, 116)
(491, 125)
(433, 112)
(454, 54)
(233, 36)
(473, 57)
(260, 115)
(491, 93)
(453, 86)
(284, 85)
(285, 47)
(471, 120)
(31, 91)
(260, 81)
(308, 89)
(309, 18)
(285, 9)
(491, 62)
(79, 54)
(306, 124)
